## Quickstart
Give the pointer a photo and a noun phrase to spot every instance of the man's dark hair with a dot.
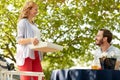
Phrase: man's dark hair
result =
(108, 34)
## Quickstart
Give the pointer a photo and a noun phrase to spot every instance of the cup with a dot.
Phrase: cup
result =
(108, 63)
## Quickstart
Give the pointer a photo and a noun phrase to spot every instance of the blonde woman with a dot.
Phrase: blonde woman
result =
(28, 33)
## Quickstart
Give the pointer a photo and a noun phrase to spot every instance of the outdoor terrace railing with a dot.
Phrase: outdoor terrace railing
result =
(8, 75)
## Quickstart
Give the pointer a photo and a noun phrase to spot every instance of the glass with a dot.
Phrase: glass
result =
(96, 64)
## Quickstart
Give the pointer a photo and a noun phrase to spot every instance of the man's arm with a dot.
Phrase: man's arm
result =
(117, 65)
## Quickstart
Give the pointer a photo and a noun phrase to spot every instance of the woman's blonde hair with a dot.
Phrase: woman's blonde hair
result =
(26, 9)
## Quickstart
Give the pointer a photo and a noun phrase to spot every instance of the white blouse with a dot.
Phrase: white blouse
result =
(26, 30)
(36, 32)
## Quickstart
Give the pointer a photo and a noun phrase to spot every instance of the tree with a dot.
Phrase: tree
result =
(70, 23)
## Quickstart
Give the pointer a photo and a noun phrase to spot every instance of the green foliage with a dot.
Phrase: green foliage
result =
(70, 23)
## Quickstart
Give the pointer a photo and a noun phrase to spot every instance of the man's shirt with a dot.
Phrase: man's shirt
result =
(111, 52)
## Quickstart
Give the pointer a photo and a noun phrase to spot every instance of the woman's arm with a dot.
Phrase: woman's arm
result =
(21, 28)
(23, 41)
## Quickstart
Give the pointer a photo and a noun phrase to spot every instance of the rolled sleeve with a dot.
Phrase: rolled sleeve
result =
(21, 29)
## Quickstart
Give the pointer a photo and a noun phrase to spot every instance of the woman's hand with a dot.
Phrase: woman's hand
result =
(34, 41)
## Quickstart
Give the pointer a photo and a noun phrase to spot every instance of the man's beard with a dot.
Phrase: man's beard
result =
(100, 42)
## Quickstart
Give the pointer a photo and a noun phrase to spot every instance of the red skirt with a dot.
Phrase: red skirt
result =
(32, 65)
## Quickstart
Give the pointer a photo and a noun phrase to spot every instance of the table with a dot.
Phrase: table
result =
(85, 74)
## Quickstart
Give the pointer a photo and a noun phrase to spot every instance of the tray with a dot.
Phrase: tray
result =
(46, 47)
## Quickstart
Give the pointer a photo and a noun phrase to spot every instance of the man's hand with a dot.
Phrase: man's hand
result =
(117, 65)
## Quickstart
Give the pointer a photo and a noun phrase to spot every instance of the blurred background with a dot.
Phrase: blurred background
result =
(72, 24)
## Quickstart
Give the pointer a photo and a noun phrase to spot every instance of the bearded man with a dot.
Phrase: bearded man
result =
(103, 40)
